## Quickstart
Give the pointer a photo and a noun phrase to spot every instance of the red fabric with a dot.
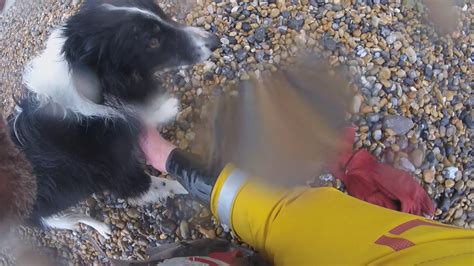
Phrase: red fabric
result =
(204, 261)
(378, 183)
(227, 257)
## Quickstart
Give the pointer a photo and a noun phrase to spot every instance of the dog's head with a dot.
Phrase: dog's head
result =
(134, 37)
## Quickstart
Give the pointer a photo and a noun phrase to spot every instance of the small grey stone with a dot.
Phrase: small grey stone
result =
(391, 38)
(409, 3)
(133, 213)
(240, 55)
(412, 74)
(459, 186)
(373, 118)
(459, 222)
(246, 27)
(184, 230)
(417, 156)
(469, 120)
(410, 52)
(260, 34)
(428, 71)
(167, 226)
(407, 165)
(225, 41)
(399, 124)
(361, 52)
(458, 214)
(260, 56)
(409, 81)
(283, 29)
(329, 43)
(295, 24)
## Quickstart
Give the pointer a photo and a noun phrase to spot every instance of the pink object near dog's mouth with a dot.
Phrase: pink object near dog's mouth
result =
(156, 149)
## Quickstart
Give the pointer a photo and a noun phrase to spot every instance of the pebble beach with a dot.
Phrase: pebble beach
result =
(413, 103)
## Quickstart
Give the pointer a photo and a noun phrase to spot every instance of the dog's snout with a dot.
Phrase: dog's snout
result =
(213, 42)
(202, 43)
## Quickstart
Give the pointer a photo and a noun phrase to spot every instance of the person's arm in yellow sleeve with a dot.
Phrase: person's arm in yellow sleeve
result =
(319, 226)
(312, 226)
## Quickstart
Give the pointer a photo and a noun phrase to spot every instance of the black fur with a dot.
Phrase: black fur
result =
(74, 155)
(73, 158)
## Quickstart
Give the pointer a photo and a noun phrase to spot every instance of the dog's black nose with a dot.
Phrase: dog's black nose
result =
(213, 42)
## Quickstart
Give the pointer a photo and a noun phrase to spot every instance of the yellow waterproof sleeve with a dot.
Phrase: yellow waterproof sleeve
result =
(322, 226)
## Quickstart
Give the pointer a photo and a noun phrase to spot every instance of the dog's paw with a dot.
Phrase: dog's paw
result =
(103, 229)
(160, 189)
(70, 220)
(167, 111)
(163, 188)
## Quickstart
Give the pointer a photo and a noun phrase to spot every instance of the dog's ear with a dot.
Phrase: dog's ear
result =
(82, 50)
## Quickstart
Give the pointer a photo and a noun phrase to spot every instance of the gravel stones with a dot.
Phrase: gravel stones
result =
(413, 103)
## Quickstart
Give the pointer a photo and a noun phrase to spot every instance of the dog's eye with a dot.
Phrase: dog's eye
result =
(154, 43)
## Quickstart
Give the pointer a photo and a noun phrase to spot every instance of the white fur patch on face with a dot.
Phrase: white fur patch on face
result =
(160, 189)
(50, 77)
(198, 37)
(139, 11)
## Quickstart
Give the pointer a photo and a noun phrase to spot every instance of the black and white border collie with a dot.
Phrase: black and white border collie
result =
(90, 95)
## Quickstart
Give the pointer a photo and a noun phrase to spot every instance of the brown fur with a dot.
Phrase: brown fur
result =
(17, 183)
